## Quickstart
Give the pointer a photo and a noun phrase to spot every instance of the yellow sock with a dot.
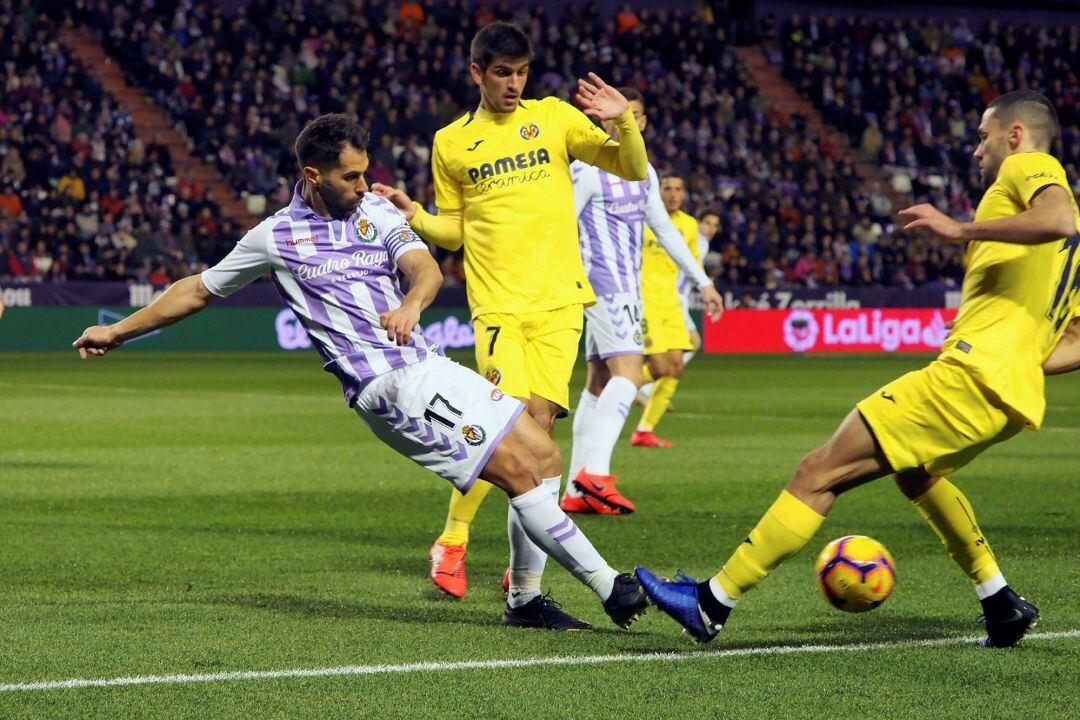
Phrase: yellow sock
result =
(647, 374)
(658, 403)
(951, 516)
(783, 530)
(463, 509)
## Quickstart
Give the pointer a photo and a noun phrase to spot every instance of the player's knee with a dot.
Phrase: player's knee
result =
(810, 476)
(676, 370)
(549, 460)
(522, 472)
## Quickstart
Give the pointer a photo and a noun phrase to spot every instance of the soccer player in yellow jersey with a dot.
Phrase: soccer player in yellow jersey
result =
(504, 193)
(666, 334)
(986, 386)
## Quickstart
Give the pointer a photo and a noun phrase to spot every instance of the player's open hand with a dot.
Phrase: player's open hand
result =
(713, 302)
(96, 340)
(599, 100)
(399, 323)
(928, 217)
(398, 197)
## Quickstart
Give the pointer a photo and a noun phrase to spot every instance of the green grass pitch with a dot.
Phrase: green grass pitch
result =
(186, 514)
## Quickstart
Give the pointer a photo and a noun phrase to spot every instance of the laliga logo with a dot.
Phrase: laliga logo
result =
(530, 131)
(800, 330)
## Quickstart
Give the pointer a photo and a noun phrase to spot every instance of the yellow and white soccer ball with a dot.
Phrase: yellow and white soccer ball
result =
(855, 573)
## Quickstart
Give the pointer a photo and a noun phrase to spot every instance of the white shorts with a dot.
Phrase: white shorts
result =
(613, 327)
(440, 415)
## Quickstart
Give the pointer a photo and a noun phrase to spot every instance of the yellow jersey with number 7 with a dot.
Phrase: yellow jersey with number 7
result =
(510, 175)
(1016, 299)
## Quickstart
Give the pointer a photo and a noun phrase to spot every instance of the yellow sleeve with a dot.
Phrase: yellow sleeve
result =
(690, 232)
(1025, 175)
(445, 229)
(448, 192)
(586, 141)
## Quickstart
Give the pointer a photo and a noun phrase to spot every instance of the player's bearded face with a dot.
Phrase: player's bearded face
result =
(342, 188)
(501, 83)
(992, 148)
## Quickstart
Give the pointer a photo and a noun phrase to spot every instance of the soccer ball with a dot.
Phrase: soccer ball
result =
(855, 573)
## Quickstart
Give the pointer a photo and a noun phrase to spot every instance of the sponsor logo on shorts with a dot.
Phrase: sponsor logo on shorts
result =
(497, 395)
(474, 434)
(493, 376)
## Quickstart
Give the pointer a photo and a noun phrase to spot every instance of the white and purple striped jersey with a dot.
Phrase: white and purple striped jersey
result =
(337, 276)
(612, 214)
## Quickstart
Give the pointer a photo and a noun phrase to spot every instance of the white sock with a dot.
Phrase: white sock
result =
(527, 561)
(583, 415)
(645, 392)
(985, 589)
(687, 356)
(608, 419)
(719, 594)
(550, 528)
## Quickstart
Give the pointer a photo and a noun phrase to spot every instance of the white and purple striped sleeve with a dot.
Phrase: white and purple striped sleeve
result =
(244, 263)
(398, 237)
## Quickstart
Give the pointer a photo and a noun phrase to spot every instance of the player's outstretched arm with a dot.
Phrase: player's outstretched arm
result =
(184, 297)
(425, 278)
(1050, 218)
(601, 101)
(445, 229)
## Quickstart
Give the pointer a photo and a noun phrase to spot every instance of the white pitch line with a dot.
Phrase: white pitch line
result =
(323, 399)
(561, 660)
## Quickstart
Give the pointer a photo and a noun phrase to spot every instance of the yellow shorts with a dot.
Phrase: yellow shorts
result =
(529, 354)
(938, 418)
(664, 326)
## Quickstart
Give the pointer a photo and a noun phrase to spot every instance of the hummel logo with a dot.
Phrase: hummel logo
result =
(888, 397)
(474, 145)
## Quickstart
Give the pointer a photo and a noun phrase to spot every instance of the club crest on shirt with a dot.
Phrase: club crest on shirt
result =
(529, 132)
(637, 336)
(365, 229)
(474, 434)
(493, 376)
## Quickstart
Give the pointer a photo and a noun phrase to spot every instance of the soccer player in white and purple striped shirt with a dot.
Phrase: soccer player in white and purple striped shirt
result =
(612, 215)
(334, 255)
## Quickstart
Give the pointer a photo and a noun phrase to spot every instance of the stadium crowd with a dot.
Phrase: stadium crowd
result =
(910, 93)
(81, 196)
(792, 209)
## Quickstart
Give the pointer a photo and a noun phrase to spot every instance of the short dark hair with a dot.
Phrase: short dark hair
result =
(500, 40)
(321, 141)
(708, 211)
(631, 95)
(1033, 109)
